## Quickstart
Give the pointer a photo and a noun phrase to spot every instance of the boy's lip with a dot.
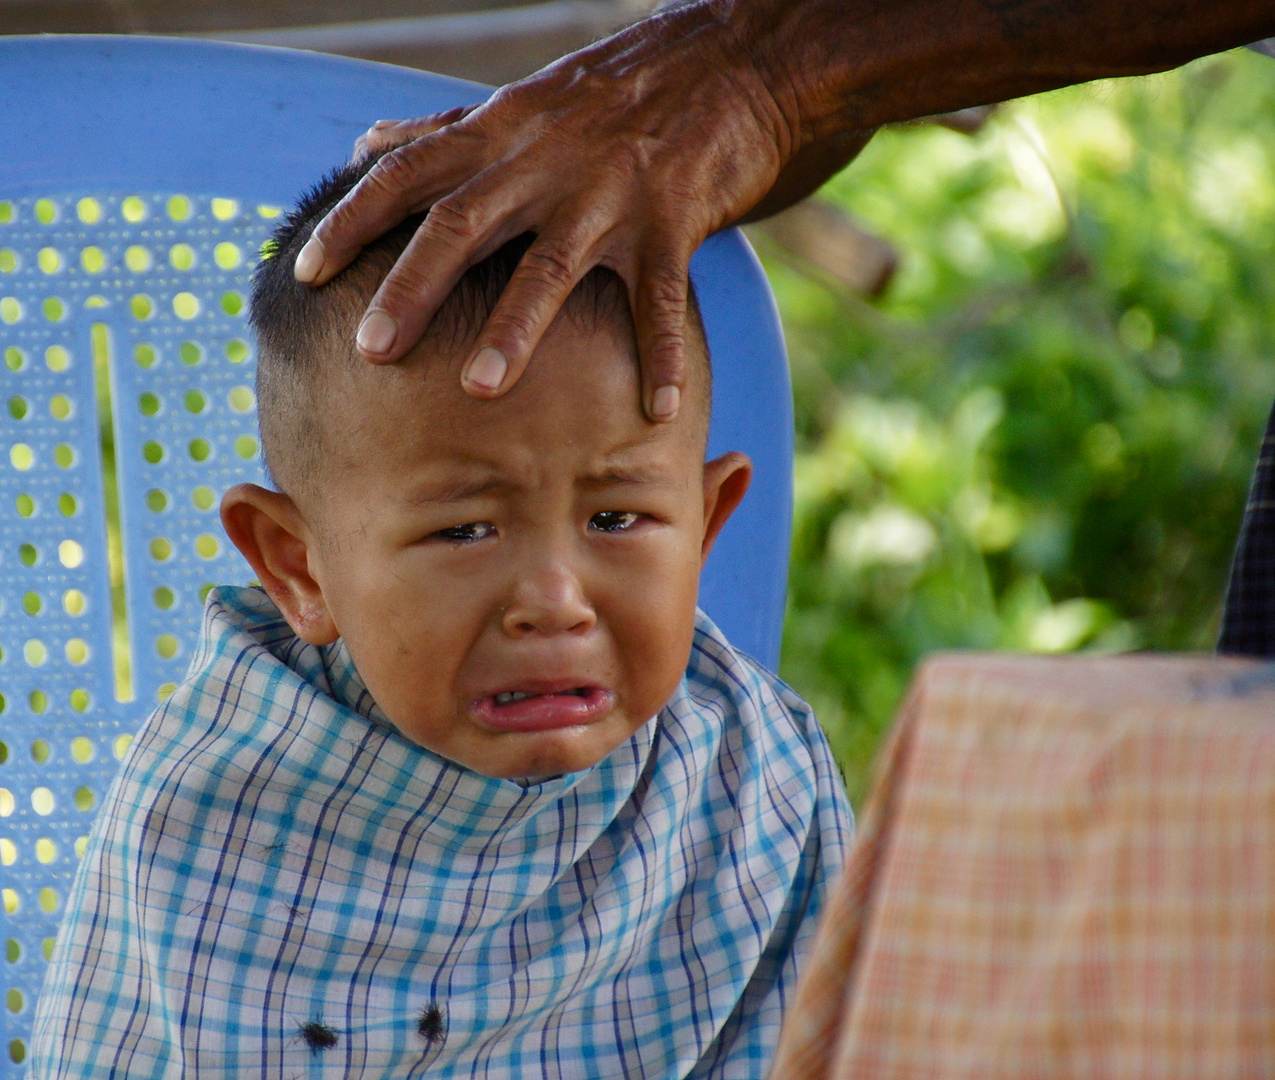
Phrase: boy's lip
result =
(547, 706)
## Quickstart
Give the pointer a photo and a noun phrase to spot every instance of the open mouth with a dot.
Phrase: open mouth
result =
(543, 709)
(508, 697)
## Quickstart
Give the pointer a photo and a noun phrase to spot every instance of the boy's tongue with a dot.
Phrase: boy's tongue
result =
(525, 710)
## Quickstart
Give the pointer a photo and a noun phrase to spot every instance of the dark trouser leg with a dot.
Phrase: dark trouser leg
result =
(1248, 620)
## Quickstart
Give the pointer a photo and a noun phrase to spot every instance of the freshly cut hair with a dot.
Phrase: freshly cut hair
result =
(302, 330)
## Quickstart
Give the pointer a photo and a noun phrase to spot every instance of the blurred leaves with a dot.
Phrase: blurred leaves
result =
(1041, 437)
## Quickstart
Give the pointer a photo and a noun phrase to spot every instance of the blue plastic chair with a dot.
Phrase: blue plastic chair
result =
(137, 184)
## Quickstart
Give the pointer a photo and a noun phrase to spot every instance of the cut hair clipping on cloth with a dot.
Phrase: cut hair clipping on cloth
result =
(432, 1025)
(318, 1036)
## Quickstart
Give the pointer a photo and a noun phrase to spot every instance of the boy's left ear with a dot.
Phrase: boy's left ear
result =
(726, 481)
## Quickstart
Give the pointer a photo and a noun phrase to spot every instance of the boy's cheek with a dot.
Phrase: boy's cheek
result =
(659, 568)
(654, 643)
(409, 588)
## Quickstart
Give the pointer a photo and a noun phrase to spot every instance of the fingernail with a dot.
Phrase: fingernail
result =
(384, 124)
(377, 333)
(309, 260)
(665, 402)
(486, 370)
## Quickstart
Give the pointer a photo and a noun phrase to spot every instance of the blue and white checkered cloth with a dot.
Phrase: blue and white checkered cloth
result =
(281, 886)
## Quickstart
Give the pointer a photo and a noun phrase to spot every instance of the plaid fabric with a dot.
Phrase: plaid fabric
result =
(1248, 620)
(1066, 870)
(281, 886)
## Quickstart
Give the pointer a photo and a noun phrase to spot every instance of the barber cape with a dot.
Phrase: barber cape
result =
(282, 886)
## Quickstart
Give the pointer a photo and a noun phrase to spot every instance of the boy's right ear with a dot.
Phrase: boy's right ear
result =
(270, 532)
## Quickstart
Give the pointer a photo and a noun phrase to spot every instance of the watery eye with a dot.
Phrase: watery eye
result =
(467, 533)
(613, 520)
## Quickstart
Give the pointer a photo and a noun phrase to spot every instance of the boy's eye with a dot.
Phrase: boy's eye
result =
(613, 520)
(467, 533)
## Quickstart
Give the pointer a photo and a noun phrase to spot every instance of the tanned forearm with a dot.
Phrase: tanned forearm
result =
(837, 69)
(837, 65)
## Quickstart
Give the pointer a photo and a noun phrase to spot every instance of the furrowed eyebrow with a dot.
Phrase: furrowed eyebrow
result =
(481, 479)
(452, 491)
(460, 490)
(619, 476)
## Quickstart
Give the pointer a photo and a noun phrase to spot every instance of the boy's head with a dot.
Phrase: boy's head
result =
(515, 579)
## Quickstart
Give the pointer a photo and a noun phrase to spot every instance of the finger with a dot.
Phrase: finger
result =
(361, 143)
(659, 313)
(403, 182)
(540, 285)
(386, 134)
(460, 230)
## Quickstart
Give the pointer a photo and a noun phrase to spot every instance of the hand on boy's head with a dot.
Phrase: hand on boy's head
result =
(515, 579)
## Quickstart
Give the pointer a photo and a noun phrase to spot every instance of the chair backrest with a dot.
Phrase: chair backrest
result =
(137, 184)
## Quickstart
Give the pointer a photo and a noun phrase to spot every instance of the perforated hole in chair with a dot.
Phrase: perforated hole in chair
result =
(129, 409)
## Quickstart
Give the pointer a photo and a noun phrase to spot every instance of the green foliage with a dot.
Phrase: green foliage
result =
(1041, 438)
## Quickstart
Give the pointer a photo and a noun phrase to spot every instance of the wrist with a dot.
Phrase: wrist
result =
(837, 66)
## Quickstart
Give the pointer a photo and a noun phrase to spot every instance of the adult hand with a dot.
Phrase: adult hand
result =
(629, 153)
(626, 154)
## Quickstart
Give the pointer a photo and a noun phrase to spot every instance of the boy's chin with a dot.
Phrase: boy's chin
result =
(529, 769)
(549, 755)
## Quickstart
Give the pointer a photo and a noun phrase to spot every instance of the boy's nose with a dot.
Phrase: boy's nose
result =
(549, 601)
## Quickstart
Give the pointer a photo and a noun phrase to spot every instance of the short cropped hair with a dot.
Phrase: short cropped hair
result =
(303, 330)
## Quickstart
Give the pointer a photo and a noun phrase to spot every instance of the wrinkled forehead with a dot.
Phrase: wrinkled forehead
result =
(581, 391)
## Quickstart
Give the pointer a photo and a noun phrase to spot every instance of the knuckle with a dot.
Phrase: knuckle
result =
(338, 221)
(662, 321)
(665, 295)
(404, 285)
(664, 360)
(378, 193)
(550, 264)
(448, 116)
(397, 176)
(516, 327)
(666, 273)
(454, 217)
(392, 172)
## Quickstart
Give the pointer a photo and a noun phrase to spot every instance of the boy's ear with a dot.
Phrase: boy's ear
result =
(270, 532)
(726, 481)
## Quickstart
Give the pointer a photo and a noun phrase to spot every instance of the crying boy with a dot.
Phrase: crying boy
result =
(467, 787)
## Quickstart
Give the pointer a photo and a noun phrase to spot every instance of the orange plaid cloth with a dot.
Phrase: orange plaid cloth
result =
(1066, 870)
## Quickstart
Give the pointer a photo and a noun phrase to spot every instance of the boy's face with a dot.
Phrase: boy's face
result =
(515, 579)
